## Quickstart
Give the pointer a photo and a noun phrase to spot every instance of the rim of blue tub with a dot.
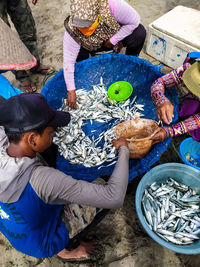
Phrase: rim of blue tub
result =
(183, 156)
(193, 248)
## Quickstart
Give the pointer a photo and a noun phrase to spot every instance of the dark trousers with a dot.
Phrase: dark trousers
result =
(21, 16)
(133, 43)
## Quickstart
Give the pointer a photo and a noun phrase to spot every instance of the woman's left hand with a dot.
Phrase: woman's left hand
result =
(165, 112)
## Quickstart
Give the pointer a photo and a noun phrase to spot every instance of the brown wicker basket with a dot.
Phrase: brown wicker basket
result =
(138, 133)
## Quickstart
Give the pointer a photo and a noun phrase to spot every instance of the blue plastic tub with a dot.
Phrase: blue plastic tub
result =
(112, 67)
(183, 174)
(191, 147)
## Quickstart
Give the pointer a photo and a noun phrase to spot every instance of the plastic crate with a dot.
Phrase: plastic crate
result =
(173, 35)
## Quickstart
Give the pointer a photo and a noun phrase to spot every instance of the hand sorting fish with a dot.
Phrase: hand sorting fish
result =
(172, 211)
(79, 148)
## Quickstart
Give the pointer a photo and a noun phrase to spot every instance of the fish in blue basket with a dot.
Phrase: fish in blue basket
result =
(93, 106)
(171, 210)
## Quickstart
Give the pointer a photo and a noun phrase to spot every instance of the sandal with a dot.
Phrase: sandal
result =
(28, 86)
(42, 69)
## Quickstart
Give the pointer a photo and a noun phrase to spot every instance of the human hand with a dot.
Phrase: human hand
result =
(34, 2)
(71, 99)
(158, 135)
(117, 48)
(108, 44)
(165, 112)
(120, 142)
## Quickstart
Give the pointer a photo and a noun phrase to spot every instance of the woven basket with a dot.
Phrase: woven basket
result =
(13, 53)
(138, 134)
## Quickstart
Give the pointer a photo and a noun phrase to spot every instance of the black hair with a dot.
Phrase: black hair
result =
(17, 137)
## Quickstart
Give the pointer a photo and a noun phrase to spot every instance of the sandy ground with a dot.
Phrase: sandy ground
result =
(124, 242)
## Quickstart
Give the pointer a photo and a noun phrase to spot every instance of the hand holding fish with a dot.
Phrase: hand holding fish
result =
(71, 99)
(158, 135)
(165, 112)
(120, 142)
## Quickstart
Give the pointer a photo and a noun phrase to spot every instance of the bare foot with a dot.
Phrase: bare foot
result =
(81, 252)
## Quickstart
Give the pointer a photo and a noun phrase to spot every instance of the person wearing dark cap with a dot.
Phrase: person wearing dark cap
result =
(44, 212)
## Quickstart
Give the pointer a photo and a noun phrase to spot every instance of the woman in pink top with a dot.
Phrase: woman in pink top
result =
(98, 25)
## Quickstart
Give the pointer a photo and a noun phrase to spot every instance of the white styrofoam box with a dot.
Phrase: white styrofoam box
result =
(173, 35)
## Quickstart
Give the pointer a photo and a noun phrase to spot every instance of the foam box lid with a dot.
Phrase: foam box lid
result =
(182, 23)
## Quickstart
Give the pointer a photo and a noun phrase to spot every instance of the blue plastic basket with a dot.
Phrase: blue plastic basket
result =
(112, 67)
(183, 174)
(192, 148)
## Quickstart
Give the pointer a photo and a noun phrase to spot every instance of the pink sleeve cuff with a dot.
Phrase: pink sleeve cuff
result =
(113, 40)
(71, 87)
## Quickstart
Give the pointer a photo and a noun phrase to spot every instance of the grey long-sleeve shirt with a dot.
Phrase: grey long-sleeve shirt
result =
(54, 187)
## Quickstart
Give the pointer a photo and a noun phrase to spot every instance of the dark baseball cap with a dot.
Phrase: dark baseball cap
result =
(29, 111)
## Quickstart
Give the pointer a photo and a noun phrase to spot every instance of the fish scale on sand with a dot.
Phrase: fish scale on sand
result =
(94, 105)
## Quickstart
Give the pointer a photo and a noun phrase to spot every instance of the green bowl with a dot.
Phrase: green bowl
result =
(120, 91)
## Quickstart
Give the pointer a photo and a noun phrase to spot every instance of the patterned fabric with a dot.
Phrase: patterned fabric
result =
(188, 109)
(89, 10)
(190, 124)
(77, 217)
(129, 20)
(169, 80)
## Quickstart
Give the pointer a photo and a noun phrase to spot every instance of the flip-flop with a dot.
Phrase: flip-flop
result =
(84, 259)
(28, 86)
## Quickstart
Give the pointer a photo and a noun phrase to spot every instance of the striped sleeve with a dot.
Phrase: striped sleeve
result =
(169, 80)
(126, 16)
(189, 124)
(70, 52)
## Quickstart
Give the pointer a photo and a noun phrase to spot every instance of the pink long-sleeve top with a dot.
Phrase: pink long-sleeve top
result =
(124, 14)
(157, 93)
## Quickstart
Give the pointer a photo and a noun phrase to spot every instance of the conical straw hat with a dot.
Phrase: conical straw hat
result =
(13, 53)
(191, 78)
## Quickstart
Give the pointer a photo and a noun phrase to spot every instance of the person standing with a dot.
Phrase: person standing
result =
(21, 16)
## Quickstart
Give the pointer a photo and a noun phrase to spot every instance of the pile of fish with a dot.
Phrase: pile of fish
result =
(94, 105)
(172, 211)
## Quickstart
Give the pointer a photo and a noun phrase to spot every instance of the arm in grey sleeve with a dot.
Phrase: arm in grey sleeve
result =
(55, 187)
